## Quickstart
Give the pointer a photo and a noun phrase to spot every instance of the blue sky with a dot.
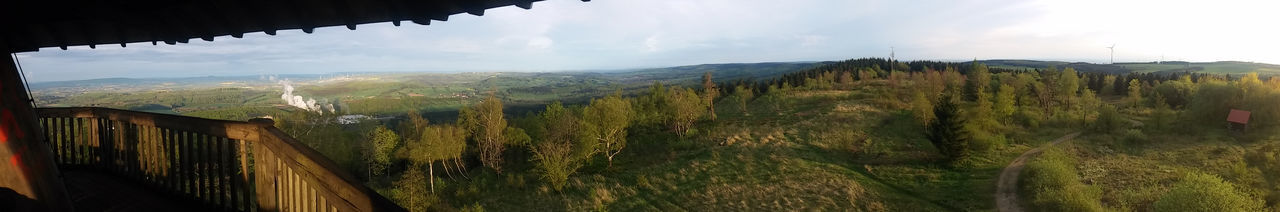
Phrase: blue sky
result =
(620, 34)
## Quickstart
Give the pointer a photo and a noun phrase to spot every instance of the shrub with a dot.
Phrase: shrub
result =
(411, 191)
(1108, 121)
(983, 141)
(1052, 183)
(1205, 192)
(1028, 117)
(553, 160)
(1133, 137)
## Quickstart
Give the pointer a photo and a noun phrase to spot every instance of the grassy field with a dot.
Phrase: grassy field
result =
(1214, 67)
(824, 150)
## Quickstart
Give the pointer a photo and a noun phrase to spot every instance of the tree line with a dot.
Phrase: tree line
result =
(555, 142)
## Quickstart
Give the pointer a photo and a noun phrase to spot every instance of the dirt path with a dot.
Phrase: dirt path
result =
(1007, 185)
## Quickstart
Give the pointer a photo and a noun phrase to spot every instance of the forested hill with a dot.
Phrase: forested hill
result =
(723, 72)
(1220, 67)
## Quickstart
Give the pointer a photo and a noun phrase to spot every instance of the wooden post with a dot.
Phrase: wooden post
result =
(265, 171)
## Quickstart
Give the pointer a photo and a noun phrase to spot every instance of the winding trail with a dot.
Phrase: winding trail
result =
(1007, 185)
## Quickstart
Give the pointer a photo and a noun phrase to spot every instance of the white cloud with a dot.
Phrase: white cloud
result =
(651, 43)
(540, 42)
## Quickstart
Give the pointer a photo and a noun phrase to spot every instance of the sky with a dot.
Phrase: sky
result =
(560, 35)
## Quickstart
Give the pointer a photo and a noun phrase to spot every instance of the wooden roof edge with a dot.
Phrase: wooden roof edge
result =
(208, 20)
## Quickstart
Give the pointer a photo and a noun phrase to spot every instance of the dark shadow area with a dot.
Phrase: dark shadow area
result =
(11, 200)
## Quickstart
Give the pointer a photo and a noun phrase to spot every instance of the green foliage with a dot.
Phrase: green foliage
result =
(1109, 120)
(609, 117)
(978, 80)
(1068, 86)
(1135, 93)
(1206, 192)
(1212, 101)
(516, 136)
(651, 108)
(776, 99)
(742, 95)
(1134, 137)
(685, 107)
(490, 124)
(1028, 117)
(411, 192)
(922, 108)
(1162, 117)
(554, 161)
(565, 125)
(1266, 159)
(1053, 184)
(947, 131)
(1005, 103)
(983, 141)
(435, 143)
(382, 142)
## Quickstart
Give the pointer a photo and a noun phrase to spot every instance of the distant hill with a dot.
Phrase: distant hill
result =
(1220, 67)
(183, 81)
(721, 72)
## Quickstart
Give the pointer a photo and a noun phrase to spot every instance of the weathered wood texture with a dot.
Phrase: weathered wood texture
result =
(226, 165)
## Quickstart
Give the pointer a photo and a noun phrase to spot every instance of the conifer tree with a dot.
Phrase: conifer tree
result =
(947, 130)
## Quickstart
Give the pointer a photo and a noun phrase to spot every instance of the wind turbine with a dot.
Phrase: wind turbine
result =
(1113, 53)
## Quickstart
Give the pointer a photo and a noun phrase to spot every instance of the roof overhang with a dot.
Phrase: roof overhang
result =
(33, 24)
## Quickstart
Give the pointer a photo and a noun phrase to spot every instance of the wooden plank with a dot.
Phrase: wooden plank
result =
(166, 161)
(202, 166)
(81, 141)
(72, 152)
(184, 163)
(144, 152)
(224, 173)
(219, 128)
(232, 164)
(243, 182)
(293, 188)
(318, 170)
(92, 130)
(63, 148)
(175, 170)
(264, 177)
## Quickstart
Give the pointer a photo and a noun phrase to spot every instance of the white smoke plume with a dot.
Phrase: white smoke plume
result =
(297, 100)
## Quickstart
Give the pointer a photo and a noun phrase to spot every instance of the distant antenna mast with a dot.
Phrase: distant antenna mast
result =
(1113, 53)
(891, 59)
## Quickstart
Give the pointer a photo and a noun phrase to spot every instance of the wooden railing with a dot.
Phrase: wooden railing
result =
(228, 165)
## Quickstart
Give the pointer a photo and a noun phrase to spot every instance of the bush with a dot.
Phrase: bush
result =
(1029, 117)
(1052, 183)
(1133, 137)
(411, 191)
(1109, 120)
(554, 162)
(1205, 192)
(983, 141)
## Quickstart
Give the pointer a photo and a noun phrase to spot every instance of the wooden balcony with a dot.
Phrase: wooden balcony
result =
(189, 163)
